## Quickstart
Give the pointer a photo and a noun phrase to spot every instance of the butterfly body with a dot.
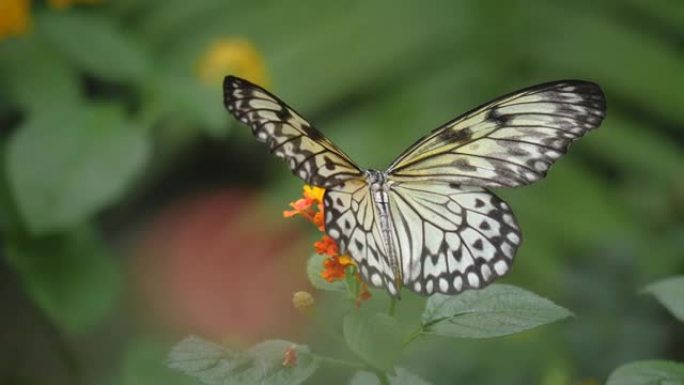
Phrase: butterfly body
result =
(428, 222)
(380, 188)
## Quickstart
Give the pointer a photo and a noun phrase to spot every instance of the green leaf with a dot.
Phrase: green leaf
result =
(648, 373)
(497, 310)
(401, 376)
(261, 364)
(375, 337)
(95, 44)
(65, 165)
(183, 98)
(314, 266)
(141, 364)
(35, 77)
(670, 293)
(71, 277)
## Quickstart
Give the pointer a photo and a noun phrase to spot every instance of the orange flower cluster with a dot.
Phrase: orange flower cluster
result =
(335, 265)
(310, 207)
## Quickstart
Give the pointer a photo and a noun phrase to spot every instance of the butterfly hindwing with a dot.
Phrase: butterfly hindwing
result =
(451, 237)
(510, 141)
(351, 220)
(310, 155)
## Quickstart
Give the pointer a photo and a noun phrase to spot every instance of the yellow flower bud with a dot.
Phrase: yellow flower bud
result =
(302, 300)
(231, 56)
(14, 17)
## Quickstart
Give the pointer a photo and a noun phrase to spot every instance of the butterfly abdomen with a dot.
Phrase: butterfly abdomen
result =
(377, 181)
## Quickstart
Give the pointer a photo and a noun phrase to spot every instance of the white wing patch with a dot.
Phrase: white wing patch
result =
(466, 244)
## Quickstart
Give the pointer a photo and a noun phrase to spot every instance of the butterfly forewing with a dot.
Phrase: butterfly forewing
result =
(511, 141)
(310, 155)
(451, 237)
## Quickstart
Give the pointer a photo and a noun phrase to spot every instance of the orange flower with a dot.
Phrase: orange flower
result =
(318, 218)
(335, 267)
(301, 207)
(332, 270)
(290, 356)
(310, 207)
(326, 246)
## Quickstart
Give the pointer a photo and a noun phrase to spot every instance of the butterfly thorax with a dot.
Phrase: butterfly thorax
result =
(379, 187)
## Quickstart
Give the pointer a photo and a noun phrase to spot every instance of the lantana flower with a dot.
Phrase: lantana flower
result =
(336, 266)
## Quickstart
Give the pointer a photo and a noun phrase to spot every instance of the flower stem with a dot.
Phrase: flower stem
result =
(414, 334)
(392, 306)
(340, 362)
(382, 376)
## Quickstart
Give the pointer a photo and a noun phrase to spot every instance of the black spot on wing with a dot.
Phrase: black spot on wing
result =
(497, 118)
(458, 254)
(312, 132)
(451, 135)
(329, 164)
(478, 244)
(463, 164)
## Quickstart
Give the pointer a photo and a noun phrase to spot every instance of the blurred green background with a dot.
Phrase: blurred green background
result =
(134, 211)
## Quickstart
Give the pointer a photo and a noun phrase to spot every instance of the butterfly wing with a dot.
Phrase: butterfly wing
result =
(510, 141)
(452, 233)
(450, 237)
(351, 219)
(350, 213)
(310, 155)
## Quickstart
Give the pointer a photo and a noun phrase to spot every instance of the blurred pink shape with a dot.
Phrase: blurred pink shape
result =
(217, 265)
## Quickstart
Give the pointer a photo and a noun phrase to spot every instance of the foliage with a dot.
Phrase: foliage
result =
(105, 116)
(648, 372)
(375, 338)
(669, 292)
(400, 377)
(498, 310)
(261, 364)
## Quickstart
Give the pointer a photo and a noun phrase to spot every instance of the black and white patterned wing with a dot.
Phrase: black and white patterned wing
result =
(351, 219)
(511, 141)
(310, 155)
(451, 238)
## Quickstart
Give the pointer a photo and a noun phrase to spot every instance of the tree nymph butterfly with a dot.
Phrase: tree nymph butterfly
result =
(428, 222)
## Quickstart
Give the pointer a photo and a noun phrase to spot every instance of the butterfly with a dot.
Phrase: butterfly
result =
(429, 222)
